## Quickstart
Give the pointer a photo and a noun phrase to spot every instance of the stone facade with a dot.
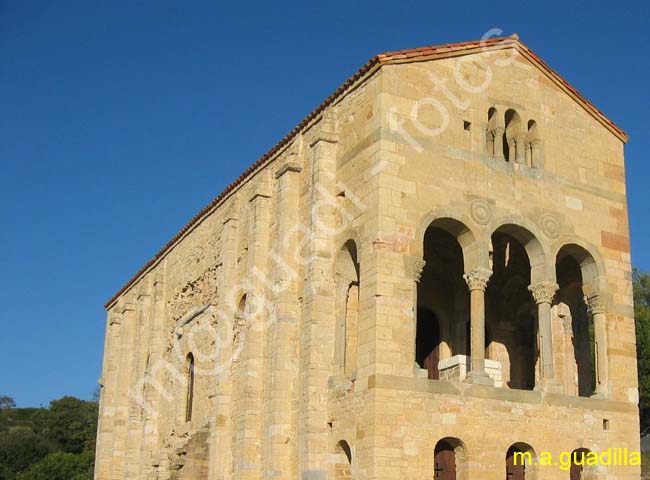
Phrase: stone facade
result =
(435, 262)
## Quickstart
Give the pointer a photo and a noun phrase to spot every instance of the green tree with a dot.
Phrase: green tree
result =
(70, 422)
(641, 283)
(19, 448)
(61, 466)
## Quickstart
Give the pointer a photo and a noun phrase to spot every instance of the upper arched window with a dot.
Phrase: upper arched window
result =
(189, 399)
(512, 139)
(346, 273)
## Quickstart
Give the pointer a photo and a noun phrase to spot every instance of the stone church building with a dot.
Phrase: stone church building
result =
(427, 276)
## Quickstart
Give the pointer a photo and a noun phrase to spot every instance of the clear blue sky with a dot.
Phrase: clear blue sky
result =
(120, 120)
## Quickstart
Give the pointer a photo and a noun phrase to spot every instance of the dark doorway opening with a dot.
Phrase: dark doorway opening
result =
(427, 342)
(515, 467)
(445, 462)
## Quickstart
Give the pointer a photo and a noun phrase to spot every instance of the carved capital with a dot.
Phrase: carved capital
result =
(414, 267)
(520, 139)
(596, 304)
(478, 278)
(543, 292)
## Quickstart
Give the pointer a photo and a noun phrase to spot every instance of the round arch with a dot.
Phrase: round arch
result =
(344, 238)
(526, 233)
(591, 264)
(342, 461)
(346, 260)
(473, 255)
(346, 307)
(528, 455)
(454, 450)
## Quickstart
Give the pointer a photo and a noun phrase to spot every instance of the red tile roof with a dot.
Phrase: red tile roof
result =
(399, 56)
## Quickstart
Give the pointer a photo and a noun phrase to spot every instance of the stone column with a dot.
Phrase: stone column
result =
(536, 154)
(489, 142)
(221, 444)
(282, 339)
(107, 400)
(153, 380)
(125, 362)
(318, 309)
(543, 294)
(498, 142)
(477, 282)
(249, 451)
(520, 145)
(568, 358)
(415, 267)
(597, 308)
(136, 412)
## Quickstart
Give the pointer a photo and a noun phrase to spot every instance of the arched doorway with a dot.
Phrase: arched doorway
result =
(511, 312)
(578, 458)
(520, 458)
(585, 343)
(442, 297)
(444, 461)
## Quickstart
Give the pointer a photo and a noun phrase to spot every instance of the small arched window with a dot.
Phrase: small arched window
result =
(189, 400)
(346, 272)
(513, 144)
(533, 146)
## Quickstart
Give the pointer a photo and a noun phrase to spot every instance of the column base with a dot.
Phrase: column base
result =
(479, 377)
(549, 386)
(601, 394)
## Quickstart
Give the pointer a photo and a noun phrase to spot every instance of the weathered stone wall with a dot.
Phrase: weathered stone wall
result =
(257, 293)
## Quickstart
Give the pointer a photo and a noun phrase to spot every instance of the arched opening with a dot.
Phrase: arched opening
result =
(450, 460)
(510, 309)
(520, 461)
(491, 131)
(512, 131)
(238, 325)
(576, 272)
(532, 146)
(532, 129)
(442, 300)
(579, 469)
(189, 398)
(346, 274)
(342, 461)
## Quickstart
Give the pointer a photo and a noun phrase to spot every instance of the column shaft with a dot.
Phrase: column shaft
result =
(282, 339)
(598, 310)
(543, 293)
(477, 282)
